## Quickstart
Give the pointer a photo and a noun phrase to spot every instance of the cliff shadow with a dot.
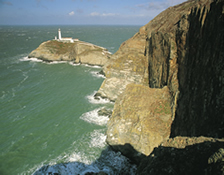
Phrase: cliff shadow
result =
(203, 158)
(128, 151)
(200, 73)
(109, 162)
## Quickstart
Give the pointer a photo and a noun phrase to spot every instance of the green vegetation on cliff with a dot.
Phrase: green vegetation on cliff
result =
(59, 47)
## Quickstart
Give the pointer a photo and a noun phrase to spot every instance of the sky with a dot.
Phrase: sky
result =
(81, 12)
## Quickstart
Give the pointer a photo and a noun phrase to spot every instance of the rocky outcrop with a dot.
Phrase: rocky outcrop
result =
(127, 65)
(141, 118)
(200, 53)
(105, 112)
(79, 52)
(185, 52)
(184, 155)
(181, 50)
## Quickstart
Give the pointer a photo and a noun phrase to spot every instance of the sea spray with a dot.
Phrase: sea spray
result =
(97, 74)
(94, 117)
(109, 162)
(98, 139)
(30, 59)
(97, 100)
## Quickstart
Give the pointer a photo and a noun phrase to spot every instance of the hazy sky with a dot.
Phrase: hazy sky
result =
(75, 12)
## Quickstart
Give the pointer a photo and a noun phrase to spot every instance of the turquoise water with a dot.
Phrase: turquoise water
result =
(48, 114)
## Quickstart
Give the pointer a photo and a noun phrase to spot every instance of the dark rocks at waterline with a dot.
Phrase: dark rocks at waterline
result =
(99, 173)
(105, 112)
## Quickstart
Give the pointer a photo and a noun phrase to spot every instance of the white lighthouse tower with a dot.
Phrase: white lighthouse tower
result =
(64, 39)
(59, 34)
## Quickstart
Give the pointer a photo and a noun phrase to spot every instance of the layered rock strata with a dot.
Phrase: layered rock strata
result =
(79, 52)
(185, 51)
(200, 58)
(141, 120)
(127, 65)
(181, 50)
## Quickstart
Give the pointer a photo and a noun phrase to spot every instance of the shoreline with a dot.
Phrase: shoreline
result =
(166, 85)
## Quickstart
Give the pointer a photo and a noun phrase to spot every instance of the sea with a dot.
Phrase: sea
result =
(49, 121)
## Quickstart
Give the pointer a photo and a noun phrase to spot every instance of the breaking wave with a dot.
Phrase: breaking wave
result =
(109, 162)
(99, 100)
(74, 64)
(97, 74)
(31, 59)
(92, 66)
(93, 117)
(98, 139)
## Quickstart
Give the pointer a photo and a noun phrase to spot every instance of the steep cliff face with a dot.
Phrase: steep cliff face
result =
(200, 52)
(184, 50)
(141, 118)
(127, 65)
(79, 52)
(188, 57)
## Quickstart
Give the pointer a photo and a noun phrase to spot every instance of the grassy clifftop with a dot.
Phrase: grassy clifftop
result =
(59, 47)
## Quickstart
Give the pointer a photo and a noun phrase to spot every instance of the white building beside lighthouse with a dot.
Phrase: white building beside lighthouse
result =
(64, 39)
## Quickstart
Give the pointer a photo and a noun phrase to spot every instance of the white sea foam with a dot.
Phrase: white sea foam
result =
(78, 163)
(56, 62)
(3, 95)
(31, 59)
(93, 117)
(72, 168)
(51, 62)
(59, 62)
(73, 64)
(98, 139)
(100, 100)
(109, 162)
(44, 145)
(97, 74)
(74, 157)
(21, 34)
(92, 66)
(25, 75)
(34, 169)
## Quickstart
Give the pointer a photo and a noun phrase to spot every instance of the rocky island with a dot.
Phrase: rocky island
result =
(167, 82)
(67, 49)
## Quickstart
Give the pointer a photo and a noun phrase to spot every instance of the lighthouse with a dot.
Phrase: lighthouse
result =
(59, 34)
(64, 39)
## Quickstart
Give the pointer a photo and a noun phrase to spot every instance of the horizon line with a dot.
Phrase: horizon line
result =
(72, 24)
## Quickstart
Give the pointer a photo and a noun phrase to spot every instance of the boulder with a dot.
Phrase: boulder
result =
(105, 112)
(140, 121)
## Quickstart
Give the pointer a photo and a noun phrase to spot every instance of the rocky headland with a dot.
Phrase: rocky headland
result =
(167, 82)
(78, 52)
